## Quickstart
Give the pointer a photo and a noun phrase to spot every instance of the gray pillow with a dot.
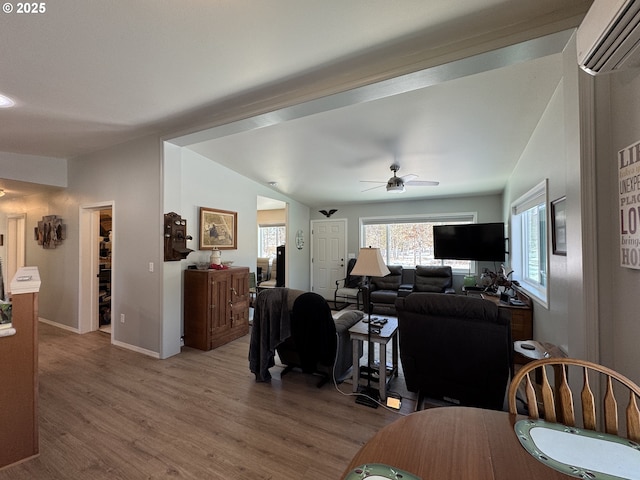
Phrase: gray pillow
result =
(347, 318)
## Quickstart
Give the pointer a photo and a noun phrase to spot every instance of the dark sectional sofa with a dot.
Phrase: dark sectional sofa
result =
(380, 293)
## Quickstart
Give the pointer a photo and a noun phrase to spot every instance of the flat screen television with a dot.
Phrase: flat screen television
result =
(473, 241)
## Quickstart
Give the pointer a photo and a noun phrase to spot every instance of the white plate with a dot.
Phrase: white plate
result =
(579, 452)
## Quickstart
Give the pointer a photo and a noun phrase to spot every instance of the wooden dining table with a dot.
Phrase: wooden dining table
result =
(454, 443)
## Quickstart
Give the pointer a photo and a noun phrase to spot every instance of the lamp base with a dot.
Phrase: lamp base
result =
(368, 396)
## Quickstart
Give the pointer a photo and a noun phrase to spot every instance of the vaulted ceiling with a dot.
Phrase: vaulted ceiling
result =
(88, 75)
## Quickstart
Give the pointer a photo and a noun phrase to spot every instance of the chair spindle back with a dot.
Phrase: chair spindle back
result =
(557, 401)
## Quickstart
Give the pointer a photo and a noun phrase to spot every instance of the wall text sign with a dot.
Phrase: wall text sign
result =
(629, 203)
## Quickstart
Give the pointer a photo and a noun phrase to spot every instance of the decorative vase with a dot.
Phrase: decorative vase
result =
(216, 257)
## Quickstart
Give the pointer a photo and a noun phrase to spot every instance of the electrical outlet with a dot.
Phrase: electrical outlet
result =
(151, 267)
(122, 318)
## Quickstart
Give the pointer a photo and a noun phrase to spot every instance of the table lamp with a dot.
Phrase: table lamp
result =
(369, 264)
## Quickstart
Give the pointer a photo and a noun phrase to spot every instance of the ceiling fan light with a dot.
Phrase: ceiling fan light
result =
(395, 185)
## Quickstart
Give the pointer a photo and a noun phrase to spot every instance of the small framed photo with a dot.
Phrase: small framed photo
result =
(218, 229)
(559, 226)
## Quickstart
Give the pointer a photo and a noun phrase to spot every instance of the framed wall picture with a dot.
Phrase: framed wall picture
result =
(559, 226)
(218, 229)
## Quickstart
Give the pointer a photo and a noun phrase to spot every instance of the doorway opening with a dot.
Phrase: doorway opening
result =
(16, 245)
(104, 271)
(97, 249)
(272, 236)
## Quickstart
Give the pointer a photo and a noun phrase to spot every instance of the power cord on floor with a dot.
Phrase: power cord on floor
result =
(357, 394)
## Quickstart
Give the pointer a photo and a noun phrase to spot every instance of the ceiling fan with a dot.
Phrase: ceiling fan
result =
(397, 184)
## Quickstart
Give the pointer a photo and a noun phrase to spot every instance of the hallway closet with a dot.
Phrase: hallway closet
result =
(104, 272)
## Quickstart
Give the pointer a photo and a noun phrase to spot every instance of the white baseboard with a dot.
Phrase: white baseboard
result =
(143, 351)
(59, 325)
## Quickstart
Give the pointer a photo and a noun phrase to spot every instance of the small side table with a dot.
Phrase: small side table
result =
(389, 332)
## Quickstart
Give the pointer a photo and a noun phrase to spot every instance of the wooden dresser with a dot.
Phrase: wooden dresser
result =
(521, 319)
(521, 316)
(216, 306)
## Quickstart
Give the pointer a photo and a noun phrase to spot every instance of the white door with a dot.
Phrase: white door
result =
(16, 244)
(329, 244)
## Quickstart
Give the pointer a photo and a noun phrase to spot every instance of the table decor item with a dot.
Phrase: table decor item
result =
(216, 256)
(378, 471)
(579, 452)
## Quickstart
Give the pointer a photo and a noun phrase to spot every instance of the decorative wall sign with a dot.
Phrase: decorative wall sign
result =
(218, 229)
(50, 231)
(628, 163)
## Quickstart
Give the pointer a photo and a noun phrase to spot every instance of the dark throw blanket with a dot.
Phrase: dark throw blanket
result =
(271, 325)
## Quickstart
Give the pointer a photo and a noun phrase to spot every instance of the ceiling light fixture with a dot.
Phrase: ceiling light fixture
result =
(1, 192)
(273, 184)
(395, 185)
(6, 102)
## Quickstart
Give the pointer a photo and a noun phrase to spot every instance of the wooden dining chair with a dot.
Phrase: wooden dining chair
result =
(558, 405)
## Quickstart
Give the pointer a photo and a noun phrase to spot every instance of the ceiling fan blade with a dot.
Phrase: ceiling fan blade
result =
(372, 188)
(409, 177)
(422, 183)
(371, 181)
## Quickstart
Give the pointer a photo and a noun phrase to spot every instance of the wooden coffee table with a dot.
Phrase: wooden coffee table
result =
(388, 333)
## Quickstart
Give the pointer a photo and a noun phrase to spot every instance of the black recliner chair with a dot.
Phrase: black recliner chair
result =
(319, 343)
(455, 348)
(435, 279)
(380, 293)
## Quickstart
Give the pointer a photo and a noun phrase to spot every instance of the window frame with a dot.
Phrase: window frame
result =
(471, 217)
(260, 243)
(536, 197)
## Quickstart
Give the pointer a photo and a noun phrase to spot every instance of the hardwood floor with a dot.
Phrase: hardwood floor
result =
(109, 413)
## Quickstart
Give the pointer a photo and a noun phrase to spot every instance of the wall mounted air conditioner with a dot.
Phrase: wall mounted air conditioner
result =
(609, 37)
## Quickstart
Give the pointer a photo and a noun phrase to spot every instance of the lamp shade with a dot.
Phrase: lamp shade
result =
(370, 263)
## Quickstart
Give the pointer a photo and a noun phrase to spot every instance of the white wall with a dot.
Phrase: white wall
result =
(488, 208)
(34, 169)
(553, 153)
(192, 181)
(134, 178)
(127, 175)
(544, 159)
(54, 298)
(206, 183)
(618, 126)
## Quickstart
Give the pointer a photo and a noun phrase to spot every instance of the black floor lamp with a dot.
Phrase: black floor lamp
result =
(369, 264)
